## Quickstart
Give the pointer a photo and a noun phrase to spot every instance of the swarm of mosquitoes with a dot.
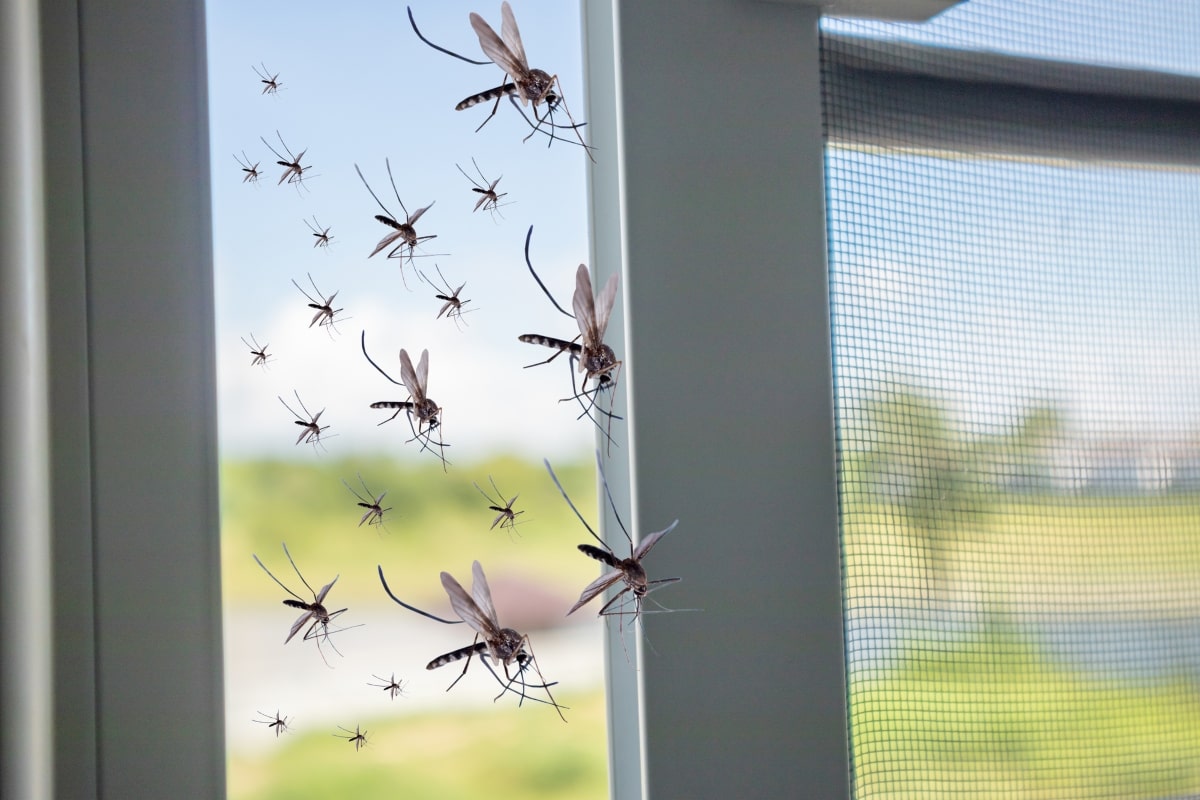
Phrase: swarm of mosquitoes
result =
(594, 369)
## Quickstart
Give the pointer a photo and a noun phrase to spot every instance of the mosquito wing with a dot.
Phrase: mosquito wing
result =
(387, 240)
(325, 590)
(512, 37)
(466, 608)
(604, 307)
(497, 51)
(416, 215)
(408, 376)
(423, 372)
(298, 624)
(594, 589)
(644, 547)
(482, 594)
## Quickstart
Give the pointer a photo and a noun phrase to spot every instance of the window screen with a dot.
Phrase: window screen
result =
(1014, 223)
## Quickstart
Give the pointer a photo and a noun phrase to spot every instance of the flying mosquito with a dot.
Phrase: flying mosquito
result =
(357, 736)
(403, 234)
(373, 505)
(488, 200)
(293, 172)
(322, 234)
(629, 570)
(261, 356)
(524, 660)
(506, 517)
(529, 85)
(418, 405)
(277, 722)
(390, 685)
(326, 314)
(311, 424)
(315, 615)
(272, 84)
(452, 304)
(252, 173)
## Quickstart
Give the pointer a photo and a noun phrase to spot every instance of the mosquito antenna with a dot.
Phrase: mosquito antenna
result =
(567, 497)
(417, 31)
(272, 577)
(414, 609)
(289, 555)
(372, 191)
(388, 163)
(612, 503)
(528, 263)
(376, 366)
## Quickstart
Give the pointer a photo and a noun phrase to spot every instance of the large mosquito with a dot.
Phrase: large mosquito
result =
(392, 686)
(252, 174)
(326, 316)
(272, 84)
(259, 352)
(489, 199)
(311, 424)
(321, 234)
(277, 722)
(357, 737)
(506, 517)
(418, 405)
(629, 570)
(529, 85)
(315, 615)
(293, 172)
(403, 234)
(452, 304)
(373, 505)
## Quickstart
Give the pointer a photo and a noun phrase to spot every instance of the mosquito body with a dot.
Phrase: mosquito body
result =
(373, 505)
(277, 722)
(316, 616)
(506, 517)
(252, 174)
(259, 352)
(390, 685)
(271, 82)
(489, 199)
(452, 304)
(321, 234)
(357, 737)
(423, 412)
(626, 570)
(403, 234)
(293, 172)
(326, 314)
(312, 427)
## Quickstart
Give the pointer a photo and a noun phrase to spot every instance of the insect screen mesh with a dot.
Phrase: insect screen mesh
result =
(1016, 339)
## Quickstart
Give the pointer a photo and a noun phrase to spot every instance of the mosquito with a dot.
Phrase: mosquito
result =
(403, 234)
(315, 615)
(389, 685)
(629, 570)
(529, 85)
(373, 505)
(506, 517)
(321, 234)
(277, 722)
(452, 305)
(311, 424)
(357, 736)
(523, 659)
(252, 173)
(261, 356)
(418, 405)
(272, 81)
(326, 315)
(293, 172)
(488, 200)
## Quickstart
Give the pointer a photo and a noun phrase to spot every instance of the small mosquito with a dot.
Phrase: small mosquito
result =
(506, 517)
(293, 172)
(373, 505)
(272, 81)
(392, 686)
(326, 314)
(277, 722)
(311, 424)
(321, 234)
(529, 85)
(419, 405)
(488, 200)
(629, 570)
(357, 736)
(403, 234)
(252, 173)
(315, 615)
(452, 305)
(261, 356)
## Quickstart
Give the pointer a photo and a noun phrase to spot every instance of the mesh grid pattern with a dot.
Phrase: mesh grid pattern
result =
(1017, 385)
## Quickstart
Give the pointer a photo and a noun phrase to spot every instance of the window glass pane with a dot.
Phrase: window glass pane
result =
(356, 87)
